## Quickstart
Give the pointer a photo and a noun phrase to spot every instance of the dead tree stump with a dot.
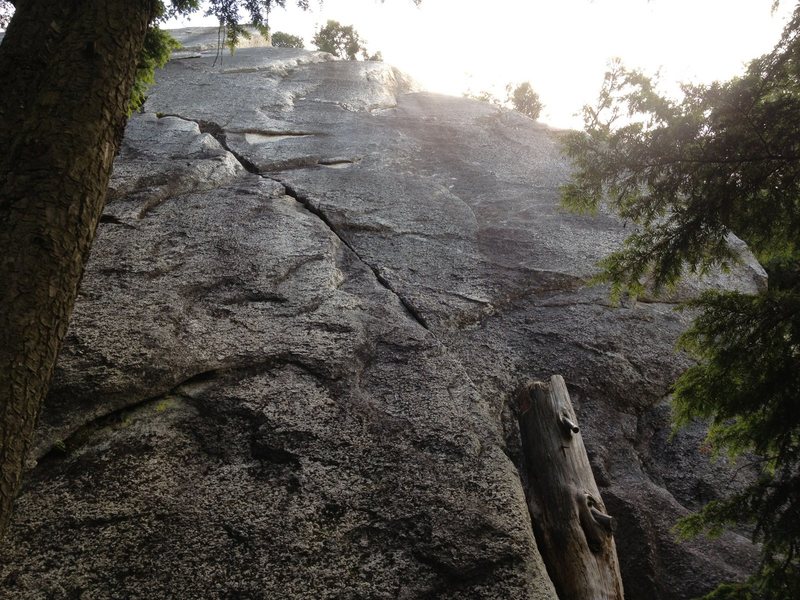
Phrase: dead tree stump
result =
(572, 529)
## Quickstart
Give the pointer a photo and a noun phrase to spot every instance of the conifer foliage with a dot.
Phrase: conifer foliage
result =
(723, 160)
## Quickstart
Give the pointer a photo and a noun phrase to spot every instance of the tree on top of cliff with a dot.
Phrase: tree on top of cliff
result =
(68, 70)
(521, 98)
(342, 41)
(725, 159)
(286, 40)
(483, 96)
(524, 99)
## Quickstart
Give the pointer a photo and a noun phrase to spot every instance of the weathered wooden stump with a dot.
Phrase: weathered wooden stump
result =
(573, 531)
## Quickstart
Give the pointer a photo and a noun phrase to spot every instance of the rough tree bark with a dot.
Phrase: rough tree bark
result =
(572, 529)
(66, 69)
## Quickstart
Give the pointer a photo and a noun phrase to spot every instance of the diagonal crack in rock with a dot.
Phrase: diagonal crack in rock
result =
(218, 132)
(315, 210)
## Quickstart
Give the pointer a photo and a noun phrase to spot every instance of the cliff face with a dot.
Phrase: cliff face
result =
(290, 370)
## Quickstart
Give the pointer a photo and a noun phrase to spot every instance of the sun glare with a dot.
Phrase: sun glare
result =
(561, 46)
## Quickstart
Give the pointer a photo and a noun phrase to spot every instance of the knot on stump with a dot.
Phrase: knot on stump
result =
(598, 527)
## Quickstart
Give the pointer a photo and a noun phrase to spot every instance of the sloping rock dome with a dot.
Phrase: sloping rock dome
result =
(291, 368)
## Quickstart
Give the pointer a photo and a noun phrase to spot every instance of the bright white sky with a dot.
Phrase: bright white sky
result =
(561, 46)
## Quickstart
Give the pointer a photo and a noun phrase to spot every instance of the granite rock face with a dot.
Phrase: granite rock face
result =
(291, 368)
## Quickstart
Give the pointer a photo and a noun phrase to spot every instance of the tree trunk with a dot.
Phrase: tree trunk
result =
(572, 529)
(66, 69)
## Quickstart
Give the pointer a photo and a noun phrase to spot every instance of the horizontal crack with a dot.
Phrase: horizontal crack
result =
(182, 389)
(76, 437)
(216, 131)
(247, 370)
